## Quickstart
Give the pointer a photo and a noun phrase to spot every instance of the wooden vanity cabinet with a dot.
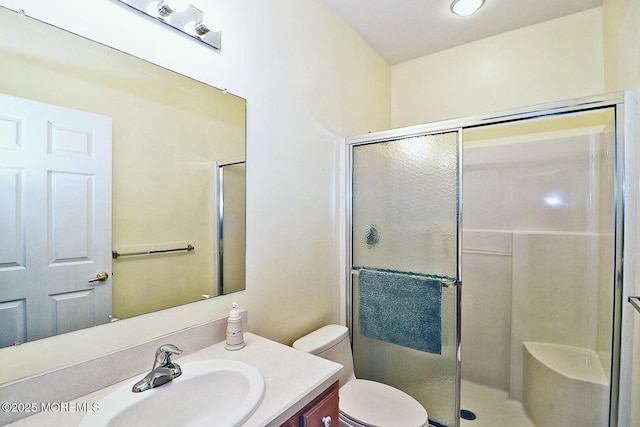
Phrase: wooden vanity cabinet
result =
(316, 412)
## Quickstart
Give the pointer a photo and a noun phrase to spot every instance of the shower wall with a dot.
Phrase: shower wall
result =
(537, 243)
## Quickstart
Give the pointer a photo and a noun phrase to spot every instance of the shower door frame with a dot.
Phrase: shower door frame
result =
(623, 282)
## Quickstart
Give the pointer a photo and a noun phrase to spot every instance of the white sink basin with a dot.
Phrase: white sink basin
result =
(208, 393)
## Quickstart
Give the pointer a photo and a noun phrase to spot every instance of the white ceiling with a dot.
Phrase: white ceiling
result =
(401, 30)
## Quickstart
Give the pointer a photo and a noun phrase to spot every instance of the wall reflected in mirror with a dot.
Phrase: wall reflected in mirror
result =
(170, 133)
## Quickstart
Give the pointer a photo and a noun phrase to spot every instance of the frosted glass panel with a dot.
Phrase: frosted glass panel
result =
(405, 205)
(405, 222)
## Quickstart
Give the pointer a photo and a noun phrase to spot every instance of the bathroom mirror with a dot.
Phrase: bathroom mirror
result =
(169, 135)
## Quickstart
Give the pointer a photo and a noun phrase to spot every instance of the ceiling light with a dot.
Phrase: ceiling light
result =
(466, 7)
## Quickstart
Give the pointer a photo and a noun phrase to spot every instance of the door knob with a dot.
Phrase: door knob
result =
(100, 277)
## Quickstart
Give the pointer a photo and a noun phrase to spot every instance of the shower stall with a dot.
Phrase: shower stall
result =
(524, 209)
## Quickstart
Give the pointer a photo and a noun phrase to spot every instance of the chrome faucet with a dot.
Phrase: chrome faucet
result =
(163, 370)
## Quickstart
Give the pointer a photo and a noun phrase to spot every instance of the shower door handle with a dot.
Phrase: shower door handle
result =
(635, 302)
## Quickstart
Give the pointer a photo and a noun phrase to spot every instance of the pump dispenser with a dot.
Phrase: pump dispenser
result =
(235, 340)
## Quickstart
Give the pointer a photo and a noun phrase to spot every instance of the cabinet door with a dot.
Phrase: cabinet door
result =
(324, 413)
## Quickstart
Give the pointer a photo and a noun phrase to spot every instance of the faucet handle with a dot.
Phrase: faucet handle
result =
(169, 348)
(164, 353)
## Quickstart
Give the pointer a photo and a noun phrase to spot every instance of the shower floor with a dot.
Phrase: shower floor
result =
(491, 407)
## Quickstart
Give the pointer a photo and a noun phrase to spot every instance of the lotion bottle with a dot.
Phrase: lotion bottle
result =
(235, 340)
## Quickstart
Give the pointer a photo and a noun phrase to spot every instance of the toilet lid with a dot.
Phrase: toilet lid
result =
(378, 404)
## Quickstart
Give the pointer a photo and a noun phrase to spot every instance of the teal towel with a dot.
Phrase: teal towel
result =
(401, 308)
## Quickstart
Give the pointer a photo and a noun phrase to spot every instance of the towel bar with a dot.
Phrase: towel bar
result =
(445, 283)
(116, 254)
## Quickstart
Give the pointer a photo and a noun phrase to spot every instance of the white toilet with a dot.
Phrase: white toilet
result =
(363, 403)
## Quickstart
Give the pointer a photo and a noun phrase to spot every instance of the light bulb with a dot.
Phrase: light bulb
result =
(166, 8)
(205, 25)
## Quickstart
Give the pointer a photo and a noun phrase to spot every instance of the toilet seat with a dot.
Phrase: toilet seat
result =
(371, 403)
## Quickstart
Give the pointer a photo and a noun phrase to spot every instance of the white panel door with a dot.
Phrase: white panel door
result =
(55, 219)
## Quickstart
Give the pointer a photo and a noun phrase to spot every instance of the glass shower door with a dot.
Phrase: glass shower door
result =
(405, 267)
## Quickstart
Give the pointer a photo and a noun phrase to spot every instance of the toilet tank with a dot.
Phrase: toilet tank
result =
(330, 342)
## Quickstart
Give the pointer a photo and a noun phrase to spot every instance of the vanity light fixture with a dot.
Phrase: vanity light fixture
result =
(180, 15)
(466, 7)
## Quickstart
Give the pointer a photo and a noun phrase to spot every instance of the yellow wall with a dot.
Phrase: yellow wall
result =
(552, 61)
(621, 44)
(622, 72)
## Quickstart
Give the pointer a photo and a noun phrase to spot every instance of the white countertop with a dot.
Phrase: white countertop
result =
(292, 379)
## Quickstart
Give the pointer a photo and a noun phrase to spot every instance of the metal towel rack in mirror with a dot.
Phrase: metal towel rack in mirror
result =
(116, 254)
